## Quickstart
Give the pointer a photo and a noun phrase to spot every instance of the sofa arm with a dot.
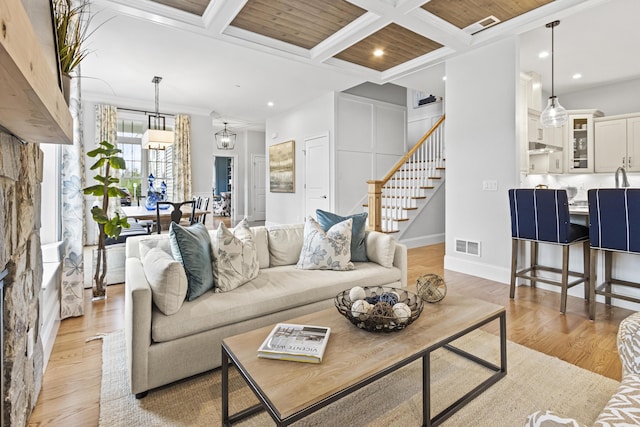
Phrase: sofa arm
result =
(400, 261)
(629, 344)
(137, 325)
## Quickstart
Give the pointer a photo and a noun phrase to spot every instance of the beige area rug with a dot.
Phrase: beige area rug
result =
(534, 381)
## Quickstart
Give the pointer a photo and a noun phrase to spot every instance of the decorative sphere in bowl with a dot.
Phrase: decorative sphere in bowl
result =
(383, 308)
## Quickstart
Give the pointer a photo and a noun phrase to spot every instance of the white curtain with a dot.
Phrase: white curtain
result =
(72, 292)
(182, 159)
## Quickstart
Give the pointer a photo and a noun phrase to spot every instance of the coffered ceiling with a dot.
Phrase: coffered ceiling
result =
(232, 56)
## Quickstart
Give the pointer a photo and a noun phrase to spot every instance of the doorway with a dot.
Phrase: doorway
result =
(224, 186)
(317, 174)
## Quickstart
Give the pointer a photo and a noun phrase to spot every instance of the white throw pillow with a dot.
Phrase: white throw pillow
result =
(167, 279)
(326, 251)
(381, 248)
(160, 242)
(285, 244)
(235, 260)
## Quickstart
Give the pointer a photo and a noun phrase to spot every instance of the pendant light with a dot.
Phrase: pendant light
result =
(225, 139)
(156, 137)
(554, 115)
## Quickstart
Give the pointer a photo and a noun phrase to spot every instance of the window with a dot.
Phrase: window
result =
(140, 163)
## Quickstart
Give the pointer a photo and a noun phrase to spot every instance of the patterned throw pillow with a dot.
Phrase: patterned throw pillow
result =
(191, 246)
(326, 251)
(358, 229)
(235, 259)
(549, 419)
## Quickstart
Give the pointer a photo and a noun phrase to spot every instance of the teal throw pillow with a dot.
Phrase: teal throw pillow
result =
(191, 246)
(358, 249)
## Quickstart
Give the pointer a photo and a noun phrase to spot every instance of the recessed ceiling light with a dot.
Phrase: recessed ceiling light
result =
(577, 76)
(444, 78)
(378, 52)
(543, 54)
(270, 104)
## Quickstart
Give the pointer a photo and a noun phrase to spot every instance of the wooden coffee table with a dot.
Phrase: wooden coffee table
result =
(290, 391)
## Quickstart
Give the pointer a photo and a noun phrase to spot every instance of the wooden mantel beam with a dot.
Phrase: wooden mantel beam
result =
(32, 106)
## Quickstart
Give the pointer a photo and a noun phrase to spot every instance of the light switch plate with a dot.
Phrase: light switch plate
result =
(490, 185)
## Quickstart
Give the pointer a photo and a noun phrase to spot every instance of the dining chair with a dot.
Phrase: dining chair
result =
(614, 227)
(542, 216)
(176, 213)
(149, 224)
(204, 206)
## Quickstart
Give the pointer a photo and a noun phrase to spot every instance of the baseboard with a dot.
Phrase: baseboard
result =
(478, 269)
(415, 242)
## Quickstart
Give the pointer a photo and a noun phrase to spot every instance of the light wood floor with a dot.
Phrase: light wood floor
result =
(71, 388)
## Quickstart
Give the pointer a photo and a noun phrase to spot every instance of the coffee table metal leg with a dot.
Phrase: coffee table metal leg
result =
(426, 390)
(225, 388)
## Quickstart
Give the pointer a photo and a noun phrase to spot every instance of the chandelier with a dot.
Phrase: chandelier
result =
(156, 137)
(225, 139)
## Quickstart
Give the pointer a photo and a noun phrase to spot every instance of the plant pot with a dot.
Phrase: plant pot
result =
(66, 87)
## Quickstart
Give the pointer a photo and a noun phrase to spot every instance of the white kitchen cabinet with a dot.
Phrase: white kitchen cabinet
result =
(538, 163)
(617, 143)
(580, 147)
(556, 162)
(535, 132)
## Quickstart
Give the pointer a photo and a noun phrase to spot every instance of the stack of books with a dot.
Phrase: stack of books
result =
(298, 343)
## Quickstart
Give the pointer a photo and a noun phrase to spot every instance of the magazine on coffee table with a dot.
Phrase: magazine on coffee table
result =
(298, 343)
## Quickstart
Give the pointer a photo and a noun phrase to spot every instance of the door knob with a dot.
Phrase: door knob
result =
(324, 197)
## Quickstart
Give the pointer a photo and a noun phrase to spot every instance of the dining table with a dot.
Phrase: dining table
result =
(141, 212)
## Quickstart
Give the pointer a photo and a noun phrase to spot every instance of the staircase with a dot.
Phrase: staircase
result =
(403, 193)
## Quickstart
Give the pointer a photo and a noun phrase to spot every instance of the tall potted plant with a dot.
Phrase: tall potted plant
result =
(108, 159)
(72, 20)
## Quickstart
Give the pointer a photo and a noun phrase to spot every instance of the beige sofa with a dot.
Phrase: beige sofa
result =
(162, 349)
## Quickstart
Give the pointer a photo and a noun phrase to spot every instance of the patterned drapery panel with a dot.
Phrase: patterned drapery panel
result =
(106, 130)
(71, 298)
(182, 158)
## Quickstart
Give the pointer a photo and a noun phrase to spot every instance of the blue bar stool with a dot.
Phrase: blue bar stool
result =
(614, 226)
(542, 216)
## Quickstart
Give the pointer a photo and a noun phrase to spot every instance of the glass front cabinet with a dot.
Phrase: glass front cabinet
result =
(580, 139)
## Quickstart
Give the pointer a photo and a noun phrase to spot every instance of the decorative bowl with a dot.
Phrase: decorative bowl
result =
(379, 320)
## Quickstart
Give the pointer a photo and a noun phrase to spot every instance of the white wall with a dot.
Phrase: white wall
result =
(481, 129)
(370, 139)
(311, 119)
(612, 99)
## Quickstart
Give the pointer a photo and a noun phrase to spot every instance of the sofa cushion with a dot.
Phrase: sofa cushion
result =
(285, 244)
(167, 280)
(235, 260)
(358, 229)
(192, 247)
(260, 237)
(380, 248)
(275, 289)
(326, 251)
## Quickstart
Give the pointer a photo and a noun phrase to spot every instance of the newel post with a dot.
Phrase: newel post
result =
(374, 221)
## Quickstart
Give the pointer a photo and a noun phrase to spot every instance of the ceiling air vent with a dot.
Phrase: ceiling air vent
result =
(468, 247)
(482, 24)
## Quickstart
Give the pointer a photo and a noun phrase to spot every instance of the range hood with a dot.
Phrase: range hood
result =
(540, 148)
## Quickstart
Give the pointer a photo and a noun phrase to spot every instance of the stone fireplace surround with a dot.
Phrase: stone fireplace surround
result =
(20, 254)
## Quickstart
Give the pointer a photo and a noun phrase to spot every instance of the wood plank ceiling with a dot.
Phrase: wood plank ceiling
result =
(307, 23)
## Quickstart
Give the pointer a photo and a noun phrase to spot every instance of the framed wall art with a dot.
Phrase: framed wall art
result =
(282, 167)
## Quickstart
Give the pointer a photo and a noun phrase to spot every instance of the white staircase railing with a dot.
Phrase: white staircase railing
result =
(391, 199)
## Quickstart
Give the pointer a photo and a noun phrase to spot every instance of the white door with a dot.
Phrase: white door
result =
(317, 176)
(258, 188)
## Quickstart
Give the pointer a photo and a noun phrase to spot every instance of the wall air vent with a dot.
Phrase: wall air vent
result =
(468, 247)
(482, 24)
